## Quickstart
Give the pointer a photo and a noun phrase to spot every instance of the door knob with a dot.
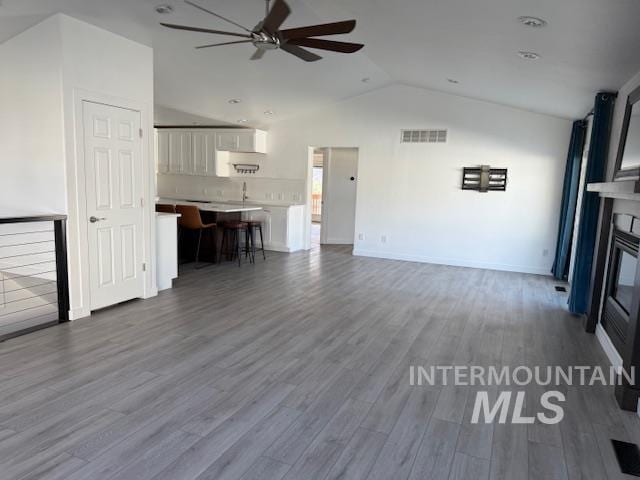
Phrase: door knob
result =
(96, 219)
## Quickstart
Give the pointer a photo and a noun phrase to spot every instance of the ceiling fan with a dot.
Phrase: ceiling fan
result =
(266, 35)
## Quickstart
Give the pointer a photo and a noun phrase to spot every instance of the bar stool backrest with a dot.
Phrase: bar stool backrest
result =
(190, 218)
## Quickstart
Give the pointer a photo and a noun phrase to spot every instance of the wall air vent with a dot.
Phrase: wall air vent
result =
(423, 136)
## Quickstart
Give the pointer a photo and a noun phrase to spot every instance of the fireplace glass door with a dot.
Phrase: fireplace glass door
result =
(618, 305)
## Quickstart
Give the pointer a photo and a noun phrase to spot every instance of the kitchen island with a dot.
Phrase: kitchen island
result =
(283, 224)
(210, 212)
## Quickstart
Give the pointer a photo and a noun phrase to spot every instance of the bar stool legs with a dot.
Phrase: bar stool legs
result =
(231, 240)
(253, 226)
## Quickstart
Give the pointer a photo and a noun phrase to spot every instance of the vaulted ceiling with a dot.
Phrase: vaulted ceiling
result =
(588, 45)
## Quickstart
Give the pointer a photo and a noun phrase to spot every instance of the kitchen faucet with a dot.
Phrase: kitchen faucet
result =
(244, 192)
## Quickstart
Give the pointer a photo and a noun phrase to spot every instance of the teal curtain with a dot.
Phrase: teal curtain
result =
(590, 208)
(560, 269)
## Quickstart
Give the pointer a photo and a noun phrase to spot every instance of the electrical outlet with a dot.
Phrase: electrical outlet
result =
(361, 236)
(220, 193)
(205, 191)
(281, 196)
(175, 190)
(383, 239)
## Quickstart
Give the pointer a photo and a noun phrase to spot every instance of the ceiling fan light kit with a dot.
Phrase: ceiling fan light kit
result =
(266, 35)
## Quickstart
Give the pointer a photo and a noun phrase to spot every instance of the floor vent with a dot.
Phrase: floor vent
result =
(423, 136)
(628, 457)
(560, 288)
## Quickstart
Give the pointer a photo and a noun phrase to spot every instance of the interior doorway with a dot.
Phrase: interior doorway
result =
(334, 173)
(317, 176)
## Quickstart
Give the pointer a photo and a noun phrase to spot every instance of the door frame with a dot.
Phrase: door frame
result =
(78, 258)
(309, 190)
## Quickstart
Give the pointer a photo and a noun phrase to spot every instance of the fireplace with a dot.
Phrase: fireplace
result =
(623, 260)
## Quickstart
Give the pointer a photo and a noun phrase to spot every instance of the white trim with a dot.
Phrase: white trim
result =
(450, 261)
(607, 345)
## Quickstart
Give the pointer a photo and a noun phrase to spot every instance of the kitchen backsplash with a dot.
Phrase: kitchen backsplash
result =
(266, 190)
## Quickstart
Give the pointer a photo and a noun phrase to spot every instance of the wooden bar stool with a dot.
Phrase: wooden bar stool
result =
(191, 220)
(231, 232)
(254, 225)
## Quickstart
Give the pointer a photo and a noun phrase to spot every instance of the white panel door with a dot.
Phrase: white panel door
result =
(339, 196)
(113, 170)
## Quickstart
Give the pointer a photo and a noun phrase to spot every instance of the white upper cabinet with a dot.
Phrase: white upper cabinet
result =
(178, 150)
(191, 152)
(245, 141)
(204, 151)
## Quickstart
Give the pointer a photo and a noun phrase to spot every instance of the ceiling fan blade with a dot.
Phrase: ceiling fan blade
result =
(216, 15)
(319, 30)
(343, 47)
(276, 17)
(225, 43)
(204, 30)
(301, 53)
(258, 54)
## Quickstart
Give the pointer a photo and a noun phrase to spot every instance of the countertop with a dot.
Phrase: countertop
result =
(250, 201)
(213, 206)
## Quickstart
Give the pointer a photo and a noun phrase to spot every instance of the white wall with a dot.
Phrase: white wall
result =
(411, 193)
(54, 66)
(103, 67)
(31, 129)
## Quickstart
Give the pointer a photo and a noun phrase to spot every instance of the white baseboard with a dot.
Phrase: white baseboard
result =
(77, 313)
(451, 261)
(607, 345)
(277, 248)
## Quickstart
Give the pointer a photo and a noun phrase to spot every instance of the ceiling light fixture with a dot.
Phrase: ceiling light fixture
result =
(164, 9)
(234, 101)
(529, 55)
(533, 22)
(366, 80)
(453, 80)
(243, 120)
(268, 112)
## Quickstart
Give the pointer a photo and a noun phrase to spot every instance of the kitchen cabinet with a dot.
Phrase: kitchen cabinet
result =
(174, 151)
(166, 249)
(283, 227)
(191, 152)
(243, 141)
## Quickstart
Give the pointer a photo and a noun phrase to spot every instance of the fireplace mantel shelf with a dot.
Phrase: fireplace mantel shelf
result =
(625, 189)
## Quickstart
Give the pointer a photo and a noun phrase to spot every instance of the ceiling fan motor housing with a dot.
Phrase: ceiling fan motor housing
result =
(265, 41)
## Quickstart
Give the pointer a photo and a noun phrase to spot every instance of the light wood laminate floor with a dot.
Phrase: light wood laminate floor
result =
(297, 368)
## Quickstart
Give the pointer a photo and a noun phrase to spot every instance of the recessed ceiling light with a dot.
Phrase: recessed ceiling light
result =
(164, 9)
(533, 22)
(268, 112)
(234, 101)
(453, 80)
(529, 55)
(243, 120)
(366, 80)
